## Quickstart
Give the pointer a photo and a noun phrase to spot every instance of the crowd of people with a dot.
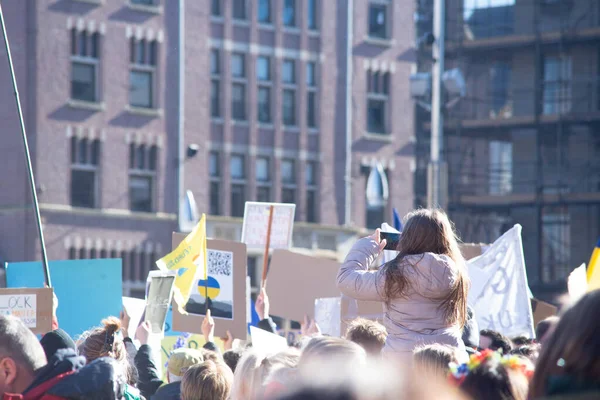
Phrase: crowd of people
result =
(428, 345)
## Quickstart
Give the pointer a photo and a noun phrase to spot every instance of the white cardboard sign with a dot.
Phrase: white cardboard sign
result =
(328, 315)
(256, 223)
(22, 306)
(266, 342)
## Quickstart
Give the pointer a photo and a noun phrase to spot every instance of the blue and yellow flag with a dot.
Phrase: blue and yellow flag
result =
(593, 270)
(189, 261)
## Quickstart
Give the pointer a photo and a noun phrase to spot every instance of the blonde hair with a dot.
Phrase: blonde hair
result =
(325, 347)
(429, 231)
(103, 341)
(207, 381)
(432, 360)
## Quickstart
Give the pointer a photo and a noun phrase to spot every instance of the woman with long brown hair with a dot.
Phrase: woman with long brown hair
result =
(424, 289)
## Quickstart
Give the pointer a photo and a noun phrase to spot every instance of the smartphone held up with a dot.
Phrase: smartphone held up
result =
(392, 240)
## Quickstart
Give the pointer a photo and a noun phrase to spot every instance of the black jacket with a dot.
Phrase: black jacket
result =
(268, 325)
(171, 391)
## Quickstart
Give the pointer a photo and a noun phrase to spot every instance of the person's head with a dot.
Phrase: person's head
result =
(331, 348)
(570, 358)
(470, 332)
(21, 355)
(491, 376)
(253, 369)
(530, 351)
(207, 381)
(56, 340)
(370, 335)
(210, 355)
(434, 360)
(430, 231)
(103, 341)
(545, 328)
(180, 361)
(489, 339)
(232, 357)
(521, 341)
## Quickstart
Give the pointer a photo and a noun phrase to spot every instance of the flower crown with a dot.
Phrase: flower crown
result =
(459, 372)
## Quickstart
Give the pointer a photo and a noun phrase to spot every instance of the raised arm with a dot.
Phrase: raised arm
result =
(354, 279)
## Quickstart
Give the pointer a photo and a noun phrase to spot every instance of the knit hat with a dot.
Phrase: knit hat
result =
(182, 359)
(56, 340)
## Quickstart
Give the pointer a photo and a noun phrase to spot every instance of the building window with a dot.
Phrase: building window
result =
(238, 200)
(85, 159)
(500, 75)
(289, 12)
(288, 172)
(262, 169)
(142, 73)
(263, 194)
(311, 192)
(214, 169)
(377, 102)
(500, 168)
(263, 68)
(215, 65)
(264, 104)
(216, 8)
(556, 244)
(142, 177)
(237, 166)
(311, 14)
(378, 24)
(489, 18)
(289, 107)
(311, 74)
(264, 11)
(289, 72)
(84, 65)
(557, 84)
(143, 2)
(238, 65)
(215, 98)
(311, 105)
(238, 101)
(239, 9)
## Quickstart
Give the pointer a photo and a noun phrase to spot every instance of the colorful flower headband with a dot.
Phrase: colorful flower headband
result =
(459, 372)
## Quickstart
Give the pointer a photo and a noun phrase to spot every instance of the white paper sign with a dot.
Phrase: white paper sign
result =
(256, 224)
(135, 309)
(328, 315)
(577, 283)
(501, 301)
(266, 342)
(22, 306)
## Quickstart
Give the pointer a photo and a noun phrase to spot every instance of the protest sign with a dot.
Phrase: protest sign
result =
(328, 315)
(88, 290)
(542, 310)
(188, 260)
(577, 283)
(158, 300)
(501, 302)
(256, 221)
(32, 306)
(135, 309)
(296, 280)
(266, 342)
(226, 291)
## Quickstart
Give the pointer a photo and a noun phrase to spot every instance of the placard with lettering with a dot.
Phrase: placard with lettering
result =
(22, 306)
(32, 306)
(256, 222)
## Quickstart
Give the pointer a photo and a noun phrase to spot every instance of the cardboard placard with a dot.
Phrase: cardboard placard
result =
(230, 315)
(158, 299)
(542, 310)
(295, 281)
(472, 250)
(32, 306)
(256, 221)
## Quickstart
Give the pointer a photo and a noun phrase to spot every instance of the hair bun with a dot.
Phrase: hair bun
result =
(112, 325)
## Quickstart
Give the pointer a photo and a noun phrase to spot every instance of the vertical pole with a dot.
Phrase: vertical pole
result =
(181, 116)
(435, 194)
(36, 205)
(348, 166)
(267, 247)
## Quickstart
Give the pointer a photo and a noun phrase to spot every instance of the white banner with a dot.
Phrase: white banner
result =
(328, 315)
(499, 290)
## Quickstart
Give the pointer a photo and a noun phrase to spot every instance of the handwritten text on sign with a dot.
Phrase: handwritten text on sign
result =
(22, 306)
(256, 222)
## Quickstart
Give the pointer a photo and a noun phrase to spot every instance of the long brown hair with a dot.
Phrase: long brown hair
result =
(573, 349)
(429, 231)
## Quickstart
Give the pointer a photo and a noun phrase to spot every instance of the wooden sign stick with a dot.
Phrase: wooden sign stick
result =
(267, 246)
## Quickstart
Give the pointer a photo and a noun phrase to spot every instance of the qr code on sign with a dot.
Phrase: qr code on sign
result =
(220, 262)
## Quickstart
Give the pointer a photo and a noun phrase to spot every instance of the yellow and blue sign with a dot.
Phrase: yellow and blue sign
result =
(210, 286)
(593, 270)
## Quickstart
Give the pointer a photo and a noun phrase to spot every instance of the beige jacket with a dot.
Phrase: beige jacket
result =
(412, 320)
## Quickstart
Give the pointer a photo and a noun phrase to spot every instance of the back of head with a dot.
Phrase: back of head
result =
(544, 327)
(330, 348)
(232, 357)
(570, 359)
(56, 340)
(207, 381)
(497, 341)
(210, 355)
(181, 360)
(530, 351)
(20, 345)
(433, 360)
(521, 341)
(104, 342)
(370, 335)
(497, 378)
(430, 231)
